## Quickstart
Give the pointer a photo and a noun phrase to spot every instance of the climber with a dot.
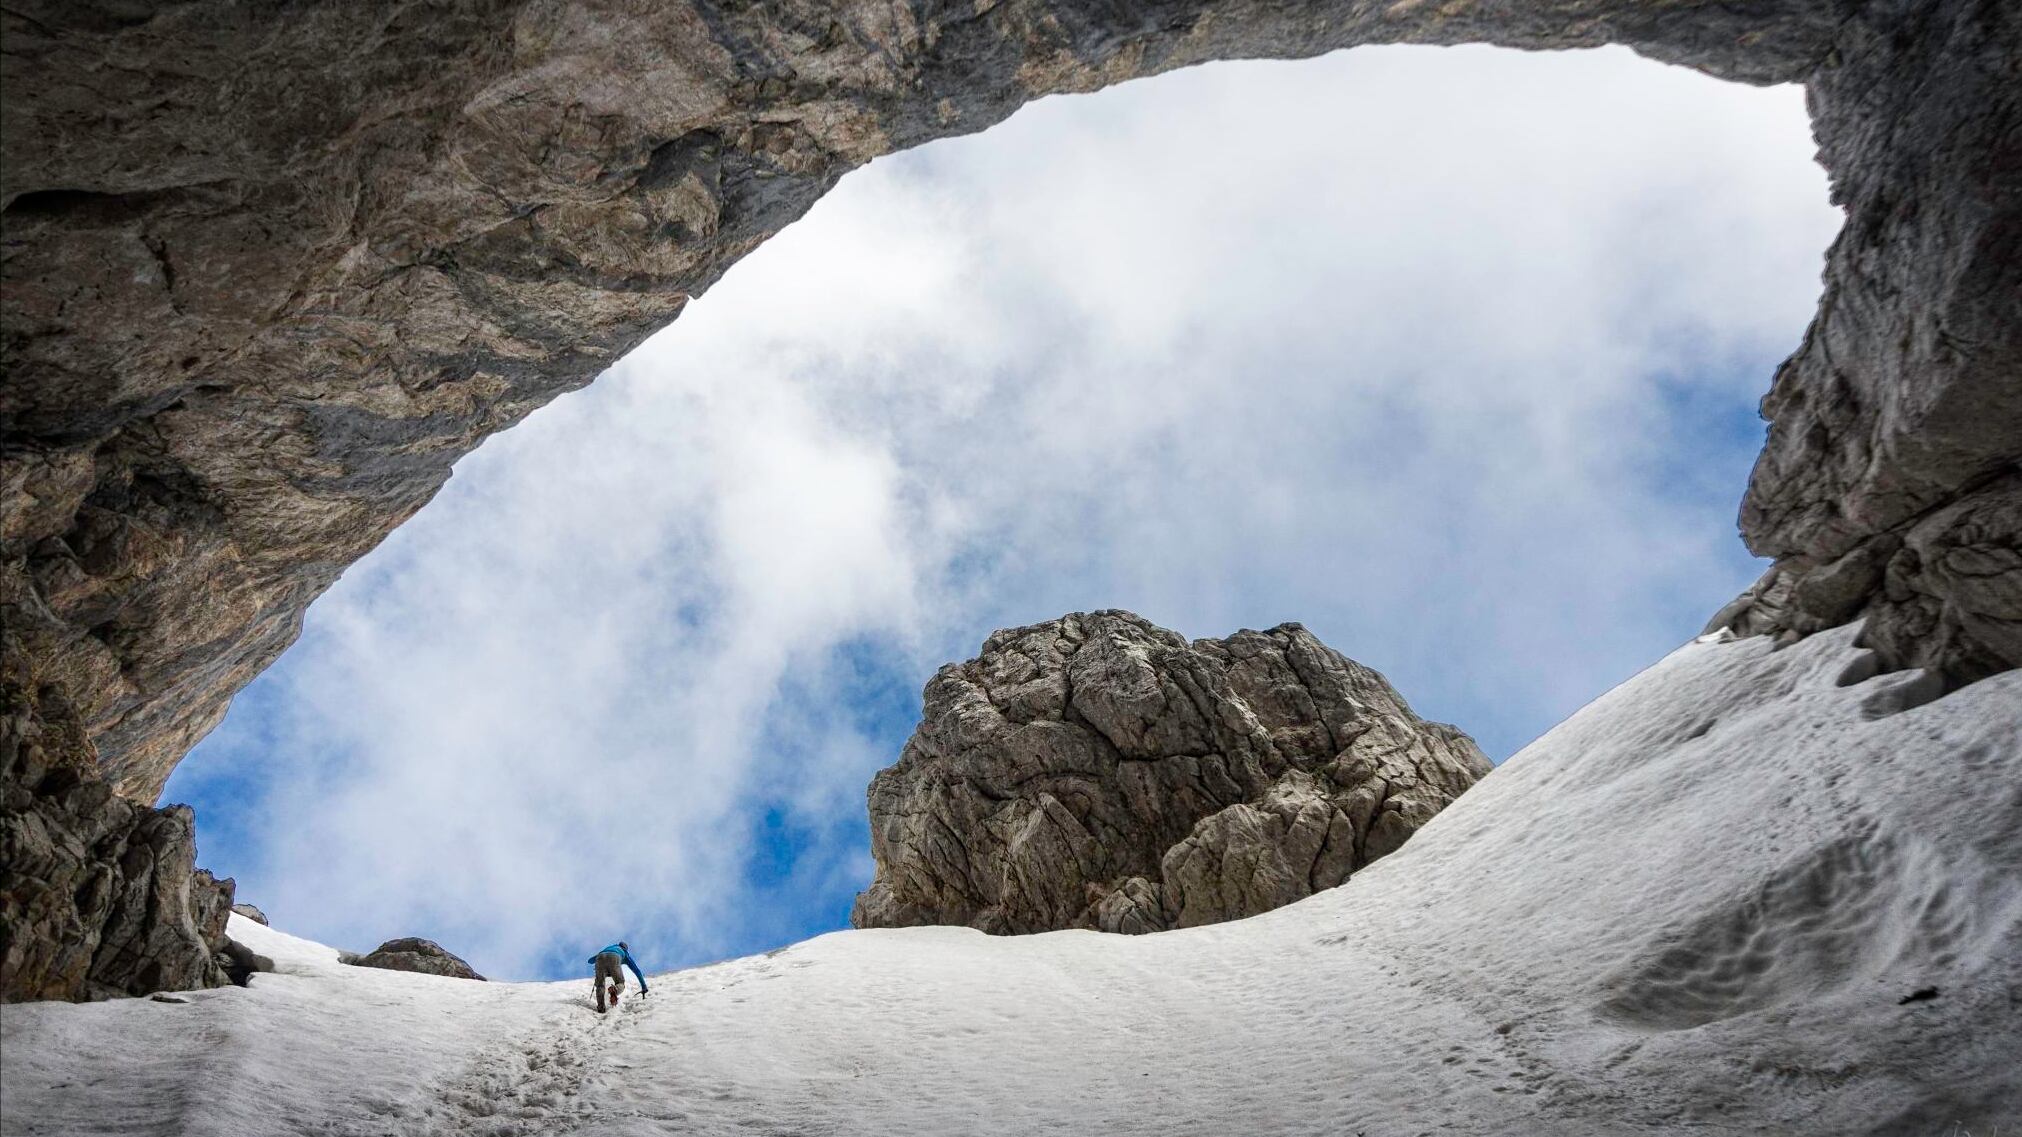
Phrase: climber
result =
(607, 962)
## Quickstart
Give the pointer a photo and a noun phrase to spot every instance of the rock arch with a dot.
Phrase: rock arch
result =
(267, 275)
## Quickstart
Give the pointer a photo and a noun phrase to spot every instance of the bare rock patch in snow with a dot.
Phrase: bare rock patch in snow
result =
(412, 953)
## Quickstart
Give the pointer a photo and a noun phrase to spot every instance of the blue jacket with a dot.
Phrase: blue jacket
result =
(626, 958)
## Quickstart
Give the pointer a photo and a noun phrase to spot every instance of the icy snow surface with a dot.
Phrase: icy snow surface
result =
(1694, 907)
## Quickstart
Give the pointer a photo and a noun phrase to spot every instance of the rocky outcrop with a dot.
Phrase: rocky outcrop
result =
(252, 913)
(99, 896)
(1943, 590)
(1890, 487)
(1096, 771)
(412, 953)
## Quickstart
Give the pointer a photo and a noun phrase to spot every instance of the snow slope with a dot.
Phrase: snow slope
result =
(1695, 907)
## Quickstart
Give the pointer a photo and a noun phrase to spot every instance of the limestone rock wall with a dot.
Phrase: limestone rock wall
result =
(100, 896)
(1096, 771)
(1890, 487)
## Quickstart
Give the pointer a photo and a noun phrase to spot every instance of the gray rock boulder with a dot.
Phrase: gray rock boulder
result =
(1096, 771)
(252, 913)
(412, 953)
(241, 963)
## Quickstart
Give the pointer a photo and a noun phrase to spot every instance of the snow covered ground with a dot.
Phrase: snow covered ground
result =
(1696, 906)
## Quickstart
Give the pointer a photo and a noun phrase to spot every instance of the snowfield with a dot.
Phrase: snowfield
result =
(1696, 906)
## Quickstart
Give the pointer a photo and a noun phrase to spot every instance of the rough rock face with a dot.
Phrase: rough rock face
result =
(250, 324)
(1096, 771)
(268, 275)
(1891, 484)
(1943, 590)
(100, 896)
(412, 953)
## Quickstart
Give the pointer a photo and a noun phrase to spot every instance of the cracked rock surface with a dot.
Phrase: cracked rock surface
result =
(1890, 487)
(1096, 771)
(100, 896)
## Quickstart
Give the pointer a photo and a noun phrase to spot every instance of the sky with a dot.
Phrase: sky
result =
(1451, 355)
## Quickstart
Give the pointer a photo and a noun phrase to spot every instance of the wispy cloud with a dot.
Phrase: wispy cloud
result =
(1450, 355)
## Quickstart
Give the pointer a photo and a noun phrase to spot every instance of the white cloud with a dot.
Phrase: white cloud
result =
(1419, 347)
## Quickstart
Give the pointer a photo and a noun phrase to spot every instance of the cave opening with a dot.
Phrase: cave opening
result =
(1464, 381)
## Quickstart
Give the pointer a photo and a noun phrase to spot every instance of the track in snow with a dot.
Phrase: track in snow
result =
(545, 1082)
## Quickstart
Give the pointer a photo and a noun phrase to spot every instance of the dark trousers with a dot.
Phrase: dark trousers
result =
(611, 966)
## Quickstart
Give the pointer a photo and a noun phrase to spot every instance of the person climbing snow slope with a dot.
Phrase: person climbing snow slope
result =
(607, 963)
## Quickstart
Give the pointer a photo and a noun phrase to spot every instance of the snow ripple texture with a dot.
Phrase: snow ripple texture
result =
(1698, 905)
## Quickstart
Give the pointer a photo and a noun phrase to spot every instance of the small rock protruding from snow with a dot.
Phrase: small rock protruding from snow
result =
(412, 953)
(241, 963)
